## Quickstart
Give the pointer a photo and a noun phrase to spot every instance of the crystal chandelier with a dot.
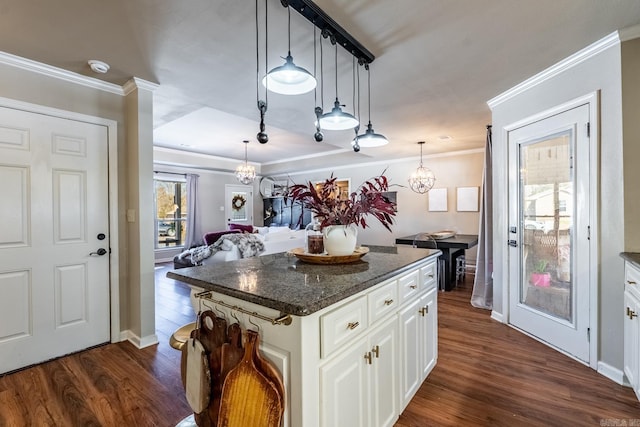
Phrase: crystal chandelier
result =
(245, 173)
(422, 179)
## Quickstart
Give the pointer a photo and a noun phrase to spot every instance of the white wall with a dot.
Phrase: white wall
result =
(601, 73)
(452, 170)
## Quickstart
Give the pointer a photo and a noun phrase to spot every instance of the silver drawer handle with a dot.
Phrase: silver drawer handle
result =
(353, 325)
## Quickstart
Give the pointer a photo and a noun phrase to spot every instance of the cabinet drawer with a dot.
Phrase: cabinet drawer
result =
(342, 325)
(408, 286)
(429, 276)
(382, 301)
(632, 277)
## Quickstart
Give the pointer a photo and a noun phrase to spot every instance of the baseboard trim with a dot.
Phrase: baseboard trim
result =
(497, 316)
(140, 343)
(614, 374)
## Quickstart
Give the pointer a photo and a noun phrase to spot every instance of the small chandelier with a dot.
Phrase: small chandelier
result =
(245, 173)
(422, 179)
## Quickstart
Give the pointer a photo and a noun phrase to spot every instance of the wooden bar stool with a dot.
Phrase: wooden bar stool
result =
(181, 335)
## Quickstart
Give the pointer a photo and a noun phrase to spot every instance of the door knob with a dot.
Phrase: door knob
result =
(99, 252)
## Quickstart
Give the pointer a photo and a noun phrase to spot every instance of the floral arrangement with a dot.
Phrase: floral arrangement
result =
(329, 209)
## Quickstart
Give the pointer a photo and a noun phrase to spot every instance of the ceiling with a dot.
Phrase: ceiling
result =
(437, 63)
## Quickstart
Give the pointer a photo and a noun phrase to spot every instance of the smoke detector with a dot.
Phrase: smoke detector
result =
(98, 66)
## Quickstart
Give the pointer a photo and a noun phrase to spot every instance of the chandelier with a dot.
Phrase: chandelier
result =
(245, 173)
(422, 179)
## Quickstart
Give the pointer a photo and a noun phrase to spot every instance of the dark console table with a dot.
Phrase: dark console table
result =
(451, 249)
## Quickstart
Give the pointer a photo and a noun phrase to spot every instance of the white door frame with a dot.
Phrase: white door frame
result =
(112, 135)
(594, 179)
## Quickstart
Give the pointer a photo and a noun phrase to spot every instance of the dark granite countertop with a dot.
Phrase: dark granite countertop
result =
(633, 257)
(282, 282)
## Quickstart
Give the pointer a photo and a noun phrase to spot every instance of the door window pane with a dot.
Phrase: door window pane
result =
(546, 218)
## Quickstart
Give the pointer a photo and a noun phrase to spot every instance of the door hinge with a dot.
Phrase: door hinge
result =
(588, 232)
(588, 129)
(588, 334)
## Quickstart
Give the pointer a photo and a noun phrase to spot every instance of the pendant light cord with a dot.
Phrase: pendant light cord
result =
(289, 26)
(266, 44)
(353, 85)
(336, 71)
(369, 90)
(358, 75)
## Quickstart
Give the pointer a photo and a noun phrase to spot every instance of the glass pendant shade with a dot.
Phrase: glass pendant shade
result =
(337, 119)
(289, 79)
(370, 138)
(245, 173)
(422, 179)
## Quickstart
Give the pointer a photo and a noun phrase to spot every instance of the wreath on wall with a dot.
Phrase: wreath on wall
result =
(238, 202)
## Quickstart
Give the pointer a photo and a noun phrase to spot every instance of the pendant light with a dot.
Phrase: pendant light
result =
(369, 138)
(289, 79)
(245, 173)
(422, 179)
(337, 119)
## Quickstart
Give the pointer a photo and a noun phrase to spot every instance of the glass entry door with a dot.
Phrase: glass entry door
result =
(549, 187)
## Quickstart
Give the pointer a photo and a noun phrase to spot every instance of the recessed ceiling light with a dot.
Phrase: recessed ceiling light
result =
(185, 145)
(445, 138)
(98, 66)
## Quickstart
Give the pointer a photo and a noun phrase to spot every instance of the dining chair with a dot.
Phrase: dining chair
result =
(425, 240)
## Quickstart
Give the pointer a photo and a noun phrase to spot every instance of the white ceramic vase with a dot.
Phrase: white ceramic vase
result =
(340, 240)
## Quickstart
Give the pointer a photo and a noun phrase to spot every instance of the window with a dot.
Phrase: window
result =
(171, 213)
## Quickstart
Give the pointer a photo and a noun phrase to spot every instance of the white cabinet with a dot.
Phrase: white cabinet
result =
(359, 361)
(632, 327)
(359, 386)
(419, 343)
(345, 385)
(400, 349)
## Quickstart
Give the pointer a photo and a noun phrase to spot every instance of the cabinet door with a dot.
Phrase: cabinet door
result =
(631, 340)
(383, 383)
(429, 334)
(344, 388)
(410, 352)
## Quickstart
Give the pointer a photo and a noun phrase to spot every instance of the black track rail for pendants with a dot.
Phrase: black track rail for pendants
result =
(330, 29)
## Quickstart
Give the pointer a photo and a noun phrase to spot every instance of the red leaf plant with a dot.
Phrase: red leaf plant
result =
(368, 199)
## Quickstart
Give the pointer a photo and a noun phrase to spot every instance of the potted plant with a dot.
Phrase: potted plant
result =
(339, 217)
(540, 277)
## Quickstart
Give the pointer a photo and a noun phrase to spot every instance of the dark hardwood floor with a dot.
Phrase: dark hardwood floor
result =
(487, 375)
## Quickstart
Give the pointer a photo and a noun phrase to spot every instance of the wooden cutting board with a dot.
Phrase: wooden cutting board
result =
(197, 378)
(231, 352)
(266, 367)
(249, 399)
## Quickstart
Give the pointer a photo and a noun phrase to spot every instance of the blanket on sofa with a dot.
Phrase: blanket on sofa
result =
(248, 244)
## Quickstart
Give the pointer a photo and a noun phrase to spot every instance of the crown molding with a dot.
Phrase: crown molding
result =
(629, 33)
(136, 83)
(381, 162)
(59, 73)
(588, 52)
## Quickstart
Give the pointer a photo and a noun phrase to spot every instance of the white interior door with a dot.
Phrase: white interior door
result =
(54, 295)
(239, 204)
(549, 196)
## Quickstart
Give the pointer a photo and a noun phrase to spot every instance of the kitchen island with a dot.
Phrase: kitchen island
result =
(353, 342)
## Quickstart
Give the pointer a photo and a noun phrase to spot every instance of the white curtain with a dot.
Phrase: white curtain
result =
(482, 296)
(194, 234)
